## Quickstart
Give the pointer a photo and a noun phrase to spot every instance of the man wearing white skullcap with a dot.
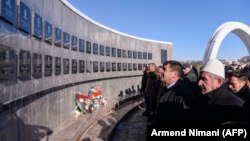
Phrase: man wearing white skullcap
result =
(221, 104)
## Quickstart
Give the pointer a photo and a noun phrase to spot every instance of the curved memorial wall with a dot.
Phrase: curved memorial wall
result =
(49, 51)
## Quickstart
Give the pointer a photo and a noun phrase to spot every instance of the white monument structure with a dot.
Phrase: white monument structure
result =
(240, 29)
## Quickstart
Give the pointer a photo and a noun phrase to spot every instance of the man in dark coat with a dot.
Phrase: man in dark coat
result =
(176, 103)
(222, 106)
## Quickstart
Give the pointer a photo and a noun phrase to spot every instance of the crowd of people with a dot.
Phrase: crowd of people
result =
(178, 93)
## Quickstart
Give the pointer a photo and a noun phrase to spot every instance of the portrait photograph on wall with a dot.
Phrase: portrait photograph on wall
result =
(24, 65)
(74, 44)
(81, 66)
(8, 63)
(95, 66)
(101, 50)
(58, 37)
(107, 66)
(48, 32)
(102, 67)
(124, 66)
(113, 52)
(38, 26)
(58, 66)
(24, 22)
(65, 66)
(88, 47)
(95, 48)
(89, 66)
(74, 66)
(66, 40)
(48, 65)
(107, 51)
(37, 65)
(81, 45)
(113, 66)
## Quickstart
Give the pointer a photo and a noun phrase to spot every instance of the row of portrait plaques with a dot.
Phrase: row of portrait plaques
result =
(8, 13)
(8, 65)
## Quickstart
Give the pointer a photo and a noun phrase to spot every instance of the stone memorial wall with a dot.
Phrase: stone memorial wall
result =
(49, 51)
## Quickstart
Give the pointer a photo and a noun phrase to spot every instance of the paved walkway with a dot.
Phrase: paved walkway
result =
(133, 128)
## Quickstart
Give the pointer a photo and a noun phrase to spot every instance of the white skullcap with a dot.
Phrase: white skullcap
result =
(216, 67)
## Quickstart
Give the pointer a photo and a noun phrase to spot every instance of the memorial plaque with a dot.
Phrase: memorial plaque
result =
(145, 55)
(129, 66)
(95, 66)
(107, 66)
(124, 65)
(81, 66)
(89, 66)
(58, 66)
(74, 43)
(119, 53)
(65, 66)
(66, 40)
(124, 53)
(107, 51)
(81, 45)
(58, 37)
(129, 54)
(150, 56)
(38, 26)
(113, 52)
(139, 66)
(24, 65)
(48, 65)
(134, 66)
(95, 48)
(134, 54)
(88, 47)
(113, 66)
(119, 66)
(74, 66)
(48, 32)
(101, 50)
(7, 64)
(102, 67)
(8, 10)
(139, 55)
(24, 18)
(37, 65)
